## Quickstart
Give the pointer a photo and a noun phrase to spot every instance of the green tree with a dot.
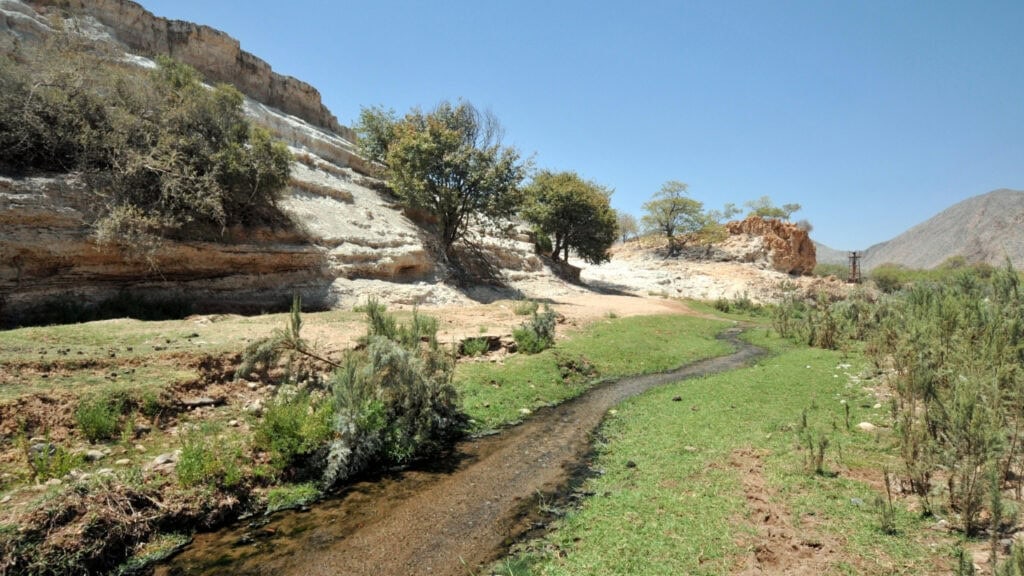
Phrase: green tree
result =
(574, 212)
(765, 208)
(670, 211)
(450, 163)
(727, 213)
(628, 226)
(376, 131)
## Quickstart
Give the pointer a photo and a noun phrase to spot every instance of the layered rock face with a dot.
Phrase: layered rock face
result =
(216, 55)
(786, 246)
(349, 240)
(48, 257)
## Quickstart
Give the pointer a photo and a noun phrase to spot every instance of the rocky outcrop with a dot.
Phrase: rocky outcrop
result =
(349, 241)
(786, 246)
(49, 258)
(216, 55)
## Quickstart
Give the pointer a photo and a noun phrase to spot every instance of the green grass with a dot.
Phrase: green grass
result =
(126, 354)
(681, 509)
(496, 395)
(288, 496)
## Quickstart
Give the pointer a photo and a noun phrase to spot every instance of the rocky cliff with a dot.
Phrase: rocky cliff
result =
(786, 246)
(350, 241)
(216, 55)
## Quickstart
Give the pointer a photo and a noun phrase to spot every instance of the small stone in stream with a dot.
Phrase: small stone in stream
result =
(630, 464)
(677, 398)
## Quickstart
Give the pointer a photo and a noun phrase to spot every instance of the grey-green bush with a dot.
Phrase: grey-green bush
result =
(537, 334)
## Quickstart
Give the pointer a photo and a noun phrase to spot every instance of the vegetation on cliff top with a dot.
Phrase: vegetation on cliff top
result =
(165, 155)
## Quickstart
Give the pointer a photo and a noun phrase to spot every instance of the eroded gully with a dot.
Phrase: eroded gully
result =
(444, 521)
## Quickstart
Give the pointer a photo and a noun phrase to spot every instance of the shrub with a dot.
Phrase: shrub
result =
(171, 156)
(823, 270)
(394, 401)
(52, 461)
(475, 346)
(207, 460)
(98, 417)
(293, 427)
(525, 307)
(538, 334)
(890, 278)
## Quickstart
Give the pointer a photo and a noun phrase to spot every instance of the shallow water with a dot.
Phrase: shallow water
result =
(449, 518)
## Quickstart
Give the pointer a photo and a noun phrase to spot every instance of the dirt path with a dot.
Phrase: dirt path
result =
(442, 522)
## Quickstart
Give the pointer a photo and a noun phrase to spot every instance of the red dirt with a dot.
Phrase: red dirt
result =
(779, 547)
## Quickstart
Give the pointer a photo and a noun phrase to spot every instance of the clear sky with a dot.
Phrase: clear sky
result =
(872, 114)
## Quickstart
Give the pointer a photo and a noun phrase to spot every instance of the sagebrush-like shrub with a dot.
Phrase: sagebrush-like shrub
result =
(394, 401)
(538, 334)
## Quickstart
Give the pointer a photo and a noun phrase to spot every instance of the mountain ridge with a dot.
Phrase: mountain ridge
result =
(986, 228)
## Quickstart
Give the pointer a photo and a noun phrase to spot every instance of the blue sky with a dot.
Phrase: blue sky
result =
(874, 115)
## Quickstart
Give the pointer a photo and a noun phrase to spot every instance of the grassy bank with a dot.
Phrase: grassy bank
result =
(84, 466)
(497, 395)
(724, 481)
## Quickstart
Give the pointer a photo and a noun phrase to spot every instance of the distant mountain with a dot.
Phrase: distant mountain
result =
(986, 228)
(827, 255)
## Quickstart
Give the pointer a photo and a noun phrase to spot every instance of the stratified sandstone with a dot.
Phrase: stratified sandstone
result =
(216, 55)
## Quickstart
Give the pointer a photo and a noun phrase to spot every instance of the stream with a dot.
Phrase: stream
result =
(447, 518)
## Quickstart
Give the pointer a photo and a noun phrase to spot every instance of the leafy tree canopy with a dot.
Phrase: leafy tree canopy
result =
(628, 226)
(671, 211)
(574, 212)
(765, 208)
(450, 163)
(376, 131)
